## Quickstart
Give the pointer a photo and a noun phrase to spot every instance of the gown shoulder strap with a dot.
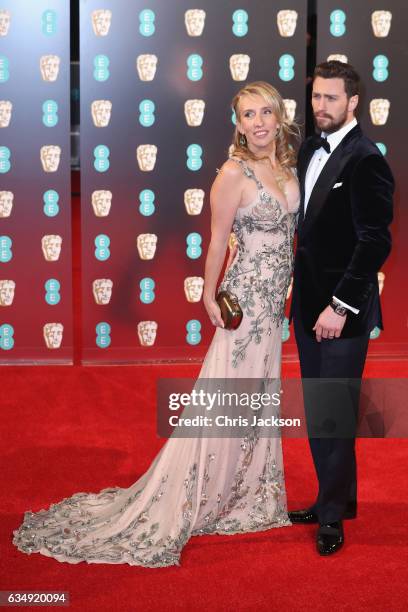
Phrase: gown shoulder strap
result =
(247, 171)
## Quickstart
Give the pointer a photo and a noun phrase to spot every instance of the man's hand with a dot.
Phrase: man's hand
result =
(329, 324)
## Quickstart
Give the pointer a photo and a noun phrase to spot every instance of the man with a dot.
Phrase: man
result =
(343, 240)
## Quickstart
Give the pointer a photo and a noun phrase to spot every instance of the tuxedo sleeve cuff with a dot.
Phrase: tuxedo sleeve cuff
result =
(355, 310)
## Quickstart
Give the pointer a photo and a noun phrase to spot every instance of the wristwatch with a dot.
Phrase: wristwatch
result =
(338, 308)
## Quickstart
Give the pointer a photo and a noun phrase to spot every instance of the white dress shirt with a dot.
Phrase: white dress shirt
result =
(316, 165)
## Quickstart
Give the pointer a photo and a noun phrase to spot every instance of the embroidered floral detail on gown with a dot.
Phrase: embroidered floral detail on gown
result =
(201, 485)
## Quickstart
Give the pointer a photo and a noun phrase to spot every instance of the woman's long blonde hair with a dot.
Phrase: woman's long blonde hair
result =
(287, 135)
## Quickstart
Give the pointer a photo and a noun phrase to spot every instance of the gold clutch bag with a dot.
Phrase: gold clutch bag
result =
(231, 311)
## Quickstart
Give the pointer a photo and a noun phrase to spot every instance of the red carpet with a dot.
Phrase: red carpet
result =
(82, 429)
(70, 429)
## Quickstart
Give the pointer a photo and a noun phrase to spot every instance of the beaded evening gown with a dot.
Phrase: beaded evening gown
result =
(196, 485)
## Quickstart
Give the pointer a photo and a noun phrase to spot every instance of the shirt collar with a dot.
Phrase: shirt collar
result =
(335, 138)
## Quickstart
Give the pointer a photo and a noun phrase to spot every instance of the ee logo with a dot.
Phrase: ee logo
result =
(146, 117)
(375, 333)
(382, 148)
(240, 22)
(194, 241)
(194, 67)
(103, 338)
(147, 286)
(285, 330)
(102, 252)
(49, 22)
(146, 18)
(5, 164)
(4, 69)
(194, 161)
(234, 118)
(6, 337)
(146, 199)
(337, 23)
(101, 68)
(380, 72)
(50, 199)
(5, 249)
(193, 328)
(286, 64)
(50, 113)
(52, 288)
(101, 154)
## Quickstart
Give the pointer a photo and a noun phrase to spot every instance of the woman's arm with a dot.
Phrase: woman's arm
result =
(225, 198)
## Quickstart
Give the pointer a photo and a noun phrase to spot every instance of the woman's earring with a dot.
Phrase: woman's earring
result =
(278, 131)
(242, 140)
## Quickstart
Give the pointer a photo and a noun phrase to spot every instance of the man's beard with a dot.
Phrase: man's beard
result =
(334, 125)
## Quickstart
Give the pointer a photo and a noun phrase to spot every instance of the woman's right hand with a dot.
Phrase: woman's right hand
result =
(214, 312)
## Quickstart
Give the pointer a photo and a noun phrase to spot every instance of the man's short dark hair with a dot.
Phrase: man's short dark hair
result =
(340, 70)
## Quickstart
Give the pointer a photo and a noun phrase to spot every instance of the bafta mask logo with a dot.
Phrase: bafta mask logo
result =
(381, 23)
(338, 57)
(146, 245)
(49, 66)
(7, 288)
(147, 330)
(193, 288)
(379, 110)
(193, 201)
(146, 157)
(290, 107)
(101, 112)
(5, 113)
(194, 112)
(381, 281)
(53, 333)
(239, 66)
(101, 22)
(50, 157)
(102, 290)
(287, 21)
(5, 20)
(194, 20)
(146, 65)
(51, 247)
(6, 203)
(101, 202)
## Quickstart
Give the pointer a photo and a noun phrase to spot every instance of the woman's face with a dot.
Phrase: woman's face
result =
(258, 122)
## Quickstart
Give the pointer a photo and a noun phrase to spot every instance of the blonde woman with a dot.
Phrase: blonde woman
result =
(208, 485)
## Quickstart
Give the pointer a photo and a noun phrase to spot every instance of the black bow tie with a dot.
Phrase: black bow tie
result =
(319, 141)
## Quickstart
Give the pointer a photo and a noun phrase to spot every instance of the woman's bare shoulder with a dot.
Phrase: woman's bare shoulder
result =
(231, 169)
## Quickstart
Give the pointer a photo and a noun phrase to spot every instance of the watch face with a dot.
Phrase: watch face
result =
(338, 308)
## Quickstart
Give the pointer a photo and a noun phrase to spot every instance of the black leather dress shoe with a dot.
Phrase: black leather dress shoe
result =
(308, 517)
(330, 538)
(303, 516)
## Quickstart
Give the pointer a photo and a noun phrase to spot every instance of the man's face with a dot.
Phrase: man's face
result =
(331, 107)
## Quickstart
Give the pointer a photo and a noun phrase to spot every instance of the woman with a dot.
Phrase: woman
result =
(205, 485)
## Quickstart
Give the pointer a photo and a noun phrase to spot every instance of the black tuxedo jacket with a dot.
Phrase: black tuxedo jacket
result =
(343, 239)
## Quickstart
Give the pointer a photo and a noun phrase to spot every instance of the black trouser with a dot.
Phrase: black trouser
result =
(334, 458)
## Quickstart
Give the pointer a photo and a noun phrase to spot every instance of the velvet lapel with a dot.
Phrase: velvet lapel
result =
(333, 168)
